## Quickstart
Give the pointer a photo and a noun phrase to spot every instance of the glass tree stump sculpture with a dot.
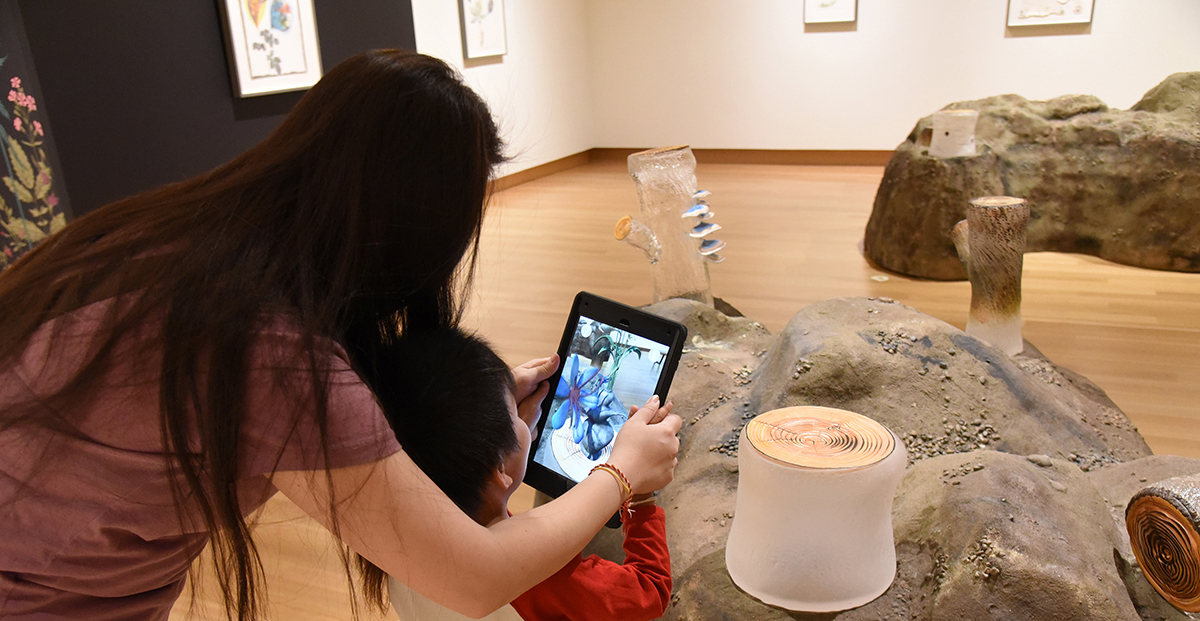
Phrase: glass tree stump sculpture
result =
(991, 244)
(812, 530)
(675, 224)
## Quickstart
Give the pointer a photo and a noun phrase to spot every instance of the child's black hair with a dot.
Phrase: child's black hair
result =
(445, 393)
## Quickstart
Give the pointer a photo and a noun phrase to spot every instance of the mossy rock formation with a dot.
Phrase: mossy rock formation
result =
(1123, 185)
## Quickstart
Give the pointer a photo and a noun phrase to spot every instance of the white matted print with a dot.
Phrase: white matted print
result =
(272, 45)
(1038, 12)
(828, 11)
(483, 28)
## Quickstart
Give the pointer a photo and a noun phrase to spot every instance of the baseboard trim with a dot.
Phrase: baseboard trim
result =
(542, 170)
(811, 157)
(798, 157)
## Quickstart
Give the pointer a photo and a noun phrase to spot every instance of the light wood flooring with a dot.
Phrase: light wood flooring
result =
(794, 237)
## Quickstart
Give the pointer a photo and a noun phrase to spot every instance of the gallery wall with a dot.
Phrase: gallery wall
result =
(138, 91)
(751, 75)
(541, 90)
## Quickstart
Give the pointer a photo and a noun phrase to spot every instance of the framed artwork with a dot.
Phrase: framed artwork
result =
(1040, 12)
(830, 11)
(33, 198)
(482, 28)
(272, 45)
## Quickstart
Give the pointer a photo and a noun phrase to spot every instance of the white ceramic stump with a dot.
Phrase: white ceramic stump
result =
(953, 133)
(813, 526)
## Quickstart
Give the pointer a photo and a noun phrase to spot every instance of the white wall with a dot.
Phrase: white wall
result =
(540, 91)
(748, 74)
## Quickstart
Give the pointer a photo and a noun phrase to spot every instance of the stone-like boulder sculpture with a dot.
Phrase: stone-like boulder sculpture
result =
(1012, 507)
(1120, 185)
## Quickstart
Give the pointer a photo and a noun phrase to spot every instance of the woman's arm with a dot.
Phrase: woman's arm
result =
(393, 515)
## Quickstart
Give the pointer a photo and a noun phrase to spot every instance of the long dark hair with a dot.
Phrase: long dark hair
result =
(353, 218)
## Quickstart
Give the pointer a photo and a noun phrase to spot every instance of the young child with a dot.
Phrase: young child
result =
(449, 398)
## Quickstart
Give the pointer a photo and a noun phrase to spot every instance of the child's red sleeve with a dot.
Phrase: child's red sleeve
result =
(595, 589)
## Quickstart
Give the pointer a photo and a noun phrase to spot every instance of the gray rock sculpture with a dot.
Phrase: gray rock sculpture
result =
(1123, 185)
(1019, 467)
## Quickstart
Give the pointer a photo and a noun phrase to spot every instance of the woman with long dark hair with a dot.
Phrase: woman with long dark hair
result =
(171, 360)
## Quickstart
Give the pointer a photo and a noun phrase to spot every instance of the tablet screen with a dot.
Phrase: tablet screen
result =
(606, 370)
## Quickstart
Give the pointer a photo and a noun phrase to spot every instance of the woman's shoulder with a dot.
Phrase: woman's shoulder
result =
(292, 371)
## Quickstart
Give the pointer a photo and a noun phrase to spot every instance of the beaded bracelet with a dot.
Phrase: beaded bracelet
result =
(622, 481)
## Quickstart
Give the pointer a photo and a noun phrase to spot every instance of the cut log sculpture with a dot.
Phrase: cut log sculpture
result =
(675, 226)
(813, 527)
(991, 245)
(1164, 530)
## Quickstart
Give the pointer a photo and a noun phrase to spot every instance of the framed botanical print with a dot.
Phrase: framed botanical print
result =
(272, 45)
(482, 28)
(830, 11)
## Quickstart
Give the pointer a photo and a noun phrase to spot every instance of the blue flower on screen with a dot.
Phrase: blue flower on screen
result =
(573, 388)
(594, 412)
(600, 424)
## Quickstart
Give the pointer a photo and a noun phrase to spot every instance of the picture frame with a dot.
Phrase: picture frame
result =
(1048, 12)
(33, 197)
(830, 11)
(483, 30)
(272, 45)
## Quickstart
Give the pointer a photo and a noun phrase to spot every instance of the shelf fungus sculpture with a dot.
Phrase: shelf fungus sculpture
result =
(1164, 530)
(991, 245)
(676, 224)
(813, 526)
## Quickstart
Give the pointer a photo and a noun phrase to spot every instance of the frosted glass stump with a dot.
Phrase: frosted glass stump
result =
(813, 526)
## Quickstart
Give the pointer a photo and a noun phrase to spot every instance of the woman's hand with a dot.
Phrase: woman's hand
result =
(532, 387)
(646, 447)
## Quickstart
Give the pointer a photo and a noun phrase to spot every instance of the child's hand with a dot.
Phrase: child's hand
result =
(646, 447)
(532, 387)
(662, 412)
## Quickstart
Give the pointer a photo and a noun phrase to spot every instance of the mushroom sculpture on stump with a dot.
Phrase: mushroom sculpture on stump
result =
(675, 226)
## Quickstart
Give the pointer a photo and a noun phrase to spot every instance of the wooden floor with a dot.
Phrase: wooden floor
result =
(794, 237)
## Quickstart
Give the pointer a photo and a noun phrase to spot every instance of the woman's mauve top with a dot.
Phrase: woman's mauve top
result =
(88, 525)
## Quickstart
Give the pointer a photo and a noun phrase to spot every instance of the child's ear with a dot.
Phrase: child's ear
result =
(501, 478)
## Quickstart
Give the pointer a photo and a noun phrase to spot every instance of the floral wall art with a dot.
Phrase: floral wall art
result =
(272, 45)
(830, 11)
(33, 201)
(483, 28)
